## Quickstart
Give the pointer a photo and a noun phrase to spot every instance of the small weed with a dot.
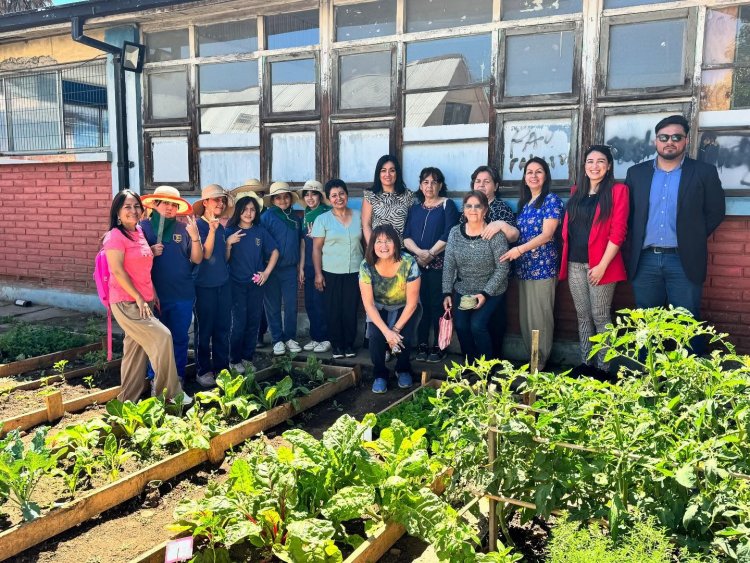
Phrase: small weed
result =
(336, 406)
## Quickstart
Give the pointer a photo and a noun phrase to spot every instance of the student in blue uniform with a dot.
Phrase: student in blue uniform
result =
(213, 292)
(316, 203)
(248, 243)
(175, 255)
(286, 229)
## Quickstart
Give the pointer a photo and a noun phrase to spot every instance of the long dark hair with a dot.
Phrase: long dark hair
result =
(387, 230)
(524, 196)
(117, 202)
(492, 171)
(239, 209)
(377, 185)
(583, 186)
(438, 176)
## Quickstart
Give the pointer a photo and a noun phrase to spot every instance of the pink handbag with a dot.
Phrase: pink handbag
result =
(445, 332)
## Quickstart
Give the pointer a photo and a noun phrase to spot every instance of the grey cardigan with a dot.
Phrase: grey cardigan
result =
(472, 265)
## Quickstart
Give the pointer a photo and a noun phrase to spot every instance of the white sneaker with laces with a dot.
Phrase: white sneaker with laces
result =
(324, 346)
(238, 367)
(292, 346)
(310, 346)
(206, 380)
(279, 349)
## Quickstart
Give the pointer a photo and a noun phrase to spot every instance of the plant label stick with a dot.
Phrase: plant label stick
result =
(160, 233)
(179, 550)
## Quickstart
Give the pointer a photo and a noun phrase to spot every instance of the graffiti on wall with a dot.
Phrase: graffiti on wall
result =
(549, 139)
(730, 153)
(631, 138)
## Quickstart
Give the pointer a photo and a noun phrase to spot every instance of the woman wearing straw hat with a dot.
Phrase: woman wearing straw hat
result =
(316, 203)
(252, 254)
(177, 248)
(213, 293)
(286, 229)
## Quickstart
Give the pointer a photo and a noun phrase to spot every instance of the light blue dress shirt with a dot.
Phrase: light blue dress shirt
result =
(661, 228)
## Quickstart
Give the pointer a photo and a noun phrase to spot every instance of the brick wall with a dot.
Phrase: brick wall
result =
(52, 218)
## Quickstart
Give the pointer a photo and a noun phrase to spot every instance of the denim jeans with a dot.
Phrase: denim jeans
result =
(282, 287)
(247, 301)
(472, 327)
(378, 346)
(315, 308)
(213, 321)
(176, 316)
(660, 281)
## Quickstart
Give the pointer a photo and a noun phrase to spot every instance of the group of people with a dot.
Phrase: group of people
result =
(409, 257)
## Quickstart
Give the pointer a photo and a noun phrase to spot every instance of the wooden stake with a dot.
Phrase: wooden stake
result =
(492, 452)
(55, 409)
(425, 378)
(534, 363)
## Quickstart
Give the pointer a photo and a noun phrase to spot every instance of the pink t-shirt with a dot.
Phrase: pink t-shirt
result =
(137, 263)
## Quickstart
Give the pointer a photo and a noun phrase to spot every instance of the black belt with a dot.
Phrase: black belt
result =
(662, 249)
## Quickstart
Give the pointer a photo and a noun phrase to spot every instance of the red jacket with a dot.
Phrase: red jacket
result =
(613, 229)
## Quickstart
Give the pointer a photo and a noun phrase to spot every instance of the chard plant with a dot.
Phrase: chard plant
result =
(114, 457)
(231, 395)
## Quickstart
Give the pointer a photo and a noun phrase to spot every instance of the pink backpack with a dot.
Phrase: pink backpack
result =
(101, 278)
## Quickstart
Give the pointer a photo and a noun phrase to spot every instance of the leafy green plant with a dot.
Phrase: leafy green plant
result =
(314, 372)
(22, 468)
(194, 430)
(284, 363)
(138, 421)
(24, 340)
(114, 457)
(231, 394)
(268, 395)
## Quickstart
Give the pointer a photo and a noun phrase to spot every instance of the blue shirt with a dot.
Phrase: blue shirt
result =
(540, 263)
(661, 227)
(287, 239)
(427, 225)
(212, 272)
(248, 256)
(172, 272)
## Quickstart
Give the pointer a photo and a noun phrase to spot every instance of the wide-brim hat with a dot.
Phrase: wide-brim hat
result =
(251, 185)
(244, 191)
(278, 188)
(214, 190)
(170, 194)
(314, 186)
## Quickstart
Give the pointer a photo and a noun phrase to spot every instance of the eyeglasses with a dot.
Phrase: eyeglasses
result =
(677, 137)
(386, 242)
(473, 206)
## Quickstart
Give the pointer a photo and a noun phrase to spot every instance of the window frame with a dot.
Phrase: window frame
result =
(356, 189)
(502, 101)
(267, 114)
(336, 81)
(190, 93)
(266, 157)
(186, 188)
(690, 15)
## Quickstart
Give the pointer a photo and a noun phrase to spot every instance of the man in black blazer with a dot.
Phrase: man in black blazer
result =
(675, 204)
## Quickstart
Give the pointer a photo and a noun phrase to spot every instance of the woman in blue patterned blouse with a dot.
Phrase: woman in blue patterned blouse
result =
(539, 213)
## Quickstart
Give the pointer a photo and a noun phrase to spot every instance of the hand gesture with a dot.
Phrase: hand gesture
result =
(234, 238)
(192, 227)
(213, 221)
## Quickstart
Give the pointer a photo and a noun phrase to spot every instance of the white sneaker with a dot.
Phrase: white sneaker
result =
(238, 367)
(206, 380)
(324, 346)
(310, 346)
(292, 346)
(248, 366)
(279, 349)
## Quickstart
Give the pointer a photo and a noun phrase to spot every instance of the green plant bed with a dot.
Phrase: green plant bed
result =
(23, 341)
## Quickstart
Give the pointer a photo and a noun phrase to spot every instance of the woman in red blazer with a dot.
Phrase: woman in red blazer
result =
(594, 228)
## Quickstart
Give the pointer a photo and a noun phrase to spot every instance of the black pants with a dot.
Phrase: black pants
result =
(378, 346)
(341, 300)
(498, 324)
(431, 298)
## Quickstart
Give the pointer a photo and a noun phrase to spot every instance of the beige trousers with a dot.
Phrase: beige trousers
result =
(145, 339)
(536, 310)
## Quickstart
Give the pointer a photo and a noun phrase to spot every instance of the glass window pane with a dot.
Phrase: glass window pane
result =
(34, 105)
(372, 19)
(741, 88)
(170, 159)
(423, 15)
(84, 127)
(454, 107)
(626, 3)
(456, 161)
(728, 152)
(227, 38)
(293, 156)
(84, 92)
(167, 46)
(355, 152)
(631, 138)
(226, 83)
(546, 138)
(448, 62)
(522, 9)
(233, 126)
(229, 168)
(3, 119)
(716, 89)
(168, 94)
(296, 29)
(539, 64)
(649, 54)
(365, 80)
(293, 86)
(721, 36)
(743, 36)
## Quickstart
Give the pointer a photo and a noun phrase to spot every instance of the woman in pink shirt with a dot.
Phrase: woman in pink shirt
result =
(132, 299)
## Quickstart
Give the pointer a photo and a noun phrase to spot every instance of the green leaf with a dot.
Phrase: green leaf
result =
(685, 476)
(349, 503)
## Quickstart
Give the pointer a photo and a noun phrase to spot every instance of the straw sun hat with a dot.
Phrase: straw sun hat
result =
(250, 188)
(314, 186)
(211, 191)
(170, 194)
(278, 188)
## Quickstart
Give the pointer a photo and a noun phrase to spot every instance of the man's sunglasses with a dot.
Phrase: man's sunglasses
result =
(675, 138)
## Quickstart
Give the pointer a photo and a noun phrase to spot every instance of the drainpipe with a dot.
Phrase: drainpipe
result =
(121, 124)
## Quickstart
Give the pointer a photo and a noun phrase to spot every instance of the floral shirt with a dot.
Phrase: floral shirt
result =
(540, 263)
(390, 293)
